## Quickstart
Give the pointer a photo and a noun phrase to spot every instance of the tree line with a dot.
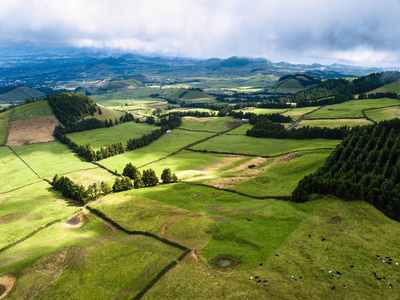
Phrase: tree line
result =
(364, 166)
(267, 129)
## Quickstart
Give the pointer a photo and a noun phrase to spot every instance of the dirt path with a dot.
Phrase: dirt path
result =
(164, 228)
(194, 256)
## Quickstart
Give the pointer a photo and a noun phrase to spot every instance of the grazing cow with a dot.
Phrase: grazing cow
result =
(389, 263)
(279, 266)
(391, 286)
(260, 264)
(309, 235)
(316, 276)
(300, 277)
(265, 284)
(379, 278)
(374, 274)
(289, 262)
(330, 271)
(337, 272)
(292, 277)
(334, 287)
(338, 276)
(322, 269)
(256, 276)
(323, 239)
(276, 254)
(390, 259)
(258, 281)
(326, 248)
(377, 256)
(397, 263)
(251, 277)
(295, 278)
(383, 277)
(352, 266)
(344, 286)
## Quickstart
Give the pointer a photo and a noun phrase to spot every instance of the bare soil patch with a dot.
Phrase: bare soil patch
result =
(6, 284)
(335, 220)
(245, 166)
(24, 132)
(75, 221)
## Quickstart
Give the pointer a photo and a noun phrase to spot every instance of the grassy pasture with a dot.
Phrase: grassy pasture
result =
(48, 159)
(281, 177)
(393, 87)
(351, 109)
(4, 123)
(120, 267)
(160, 148)
(106, 114)
(382, 114)
(22, 214)
(213, 124)
(296, 113)
(95, 175)
(261, 146)
(13, 172)
(103, 137)
(37, 109)
(361, 233)
(241, 129)
(334, 123)
(188, 163)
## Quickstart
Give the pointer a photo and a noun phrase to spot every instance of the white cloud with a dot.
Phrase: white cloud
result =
(352, 31)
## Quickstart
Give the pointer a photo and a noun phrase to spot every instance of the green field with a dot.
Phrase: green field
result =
(281, 176)
(334, 123)
(106, 114)
(212, 124)
(103, 137)
(241, 129)
(261, 146)
(393, 87)
(4, 123)
(37, 109)
(13, 172)
(160, 148)
(296, 113)
(48, 159)
(351, 109)
(21, 215)
(353, 241)
(382, 114)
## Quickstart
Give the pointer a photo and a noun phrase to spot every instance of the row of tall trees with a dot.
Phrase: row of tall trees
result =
(364, 166)
(267, 129)
(77, 192)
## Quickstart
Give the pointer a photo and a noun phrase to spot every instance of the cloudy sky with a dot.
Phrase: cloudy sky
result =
(360, 32)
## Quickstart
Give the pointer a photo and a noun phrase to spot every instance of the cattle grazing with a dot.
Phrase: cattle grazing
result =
(258, 281)
(256, 276)
(309, 235)
(276, 254)
(391, 286)
(352, 266)
(337, 272)
(316, 276)
(279, 266)
(334, 287)
(344, 286)
(323, 239)
(260, 264)
(322, 269)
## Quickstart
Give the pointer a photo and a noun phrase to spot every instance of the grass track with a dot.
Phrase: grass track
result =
(261, 146)
(4, 124)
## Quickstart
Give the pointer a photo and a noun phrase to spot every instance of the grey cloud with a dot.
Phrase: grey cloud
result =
(291, 30)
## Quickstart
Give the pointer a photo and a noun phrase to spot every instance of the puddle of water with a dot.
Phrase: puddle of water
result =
(2, 289)
(73, 221)
(224, 263)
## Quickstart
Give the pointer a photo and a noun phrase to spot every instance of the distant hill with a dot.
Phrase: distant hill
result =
(189, 94)
(19, 94)
(294, 83)
(112, 61)
(235, 61)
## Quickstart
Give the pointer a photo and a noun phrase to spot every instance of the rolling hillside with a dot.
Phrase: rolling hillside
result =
(19, 94)
(293, 83)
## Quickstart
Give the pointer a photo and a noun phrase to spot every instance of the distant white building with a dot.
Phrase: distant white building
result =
(245, 120)
(168, 131)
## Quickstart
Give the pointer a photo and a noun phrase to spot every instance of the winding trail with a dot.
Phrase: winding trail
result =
(165, 226)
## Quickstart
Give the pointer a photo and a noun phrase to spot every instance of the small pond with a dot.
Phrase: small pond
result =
(73, 221)
(2, 289)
